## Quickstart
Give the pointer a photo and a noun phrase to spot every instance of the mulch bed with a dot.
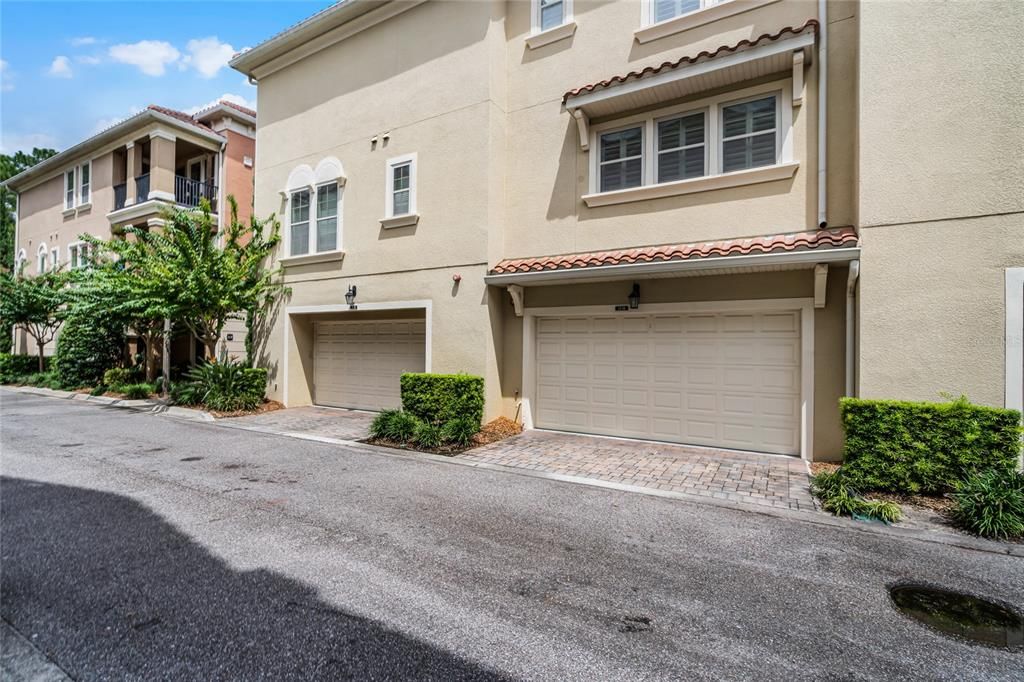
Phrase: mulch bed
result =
(492, 432)
(265, 406)
(938, 504)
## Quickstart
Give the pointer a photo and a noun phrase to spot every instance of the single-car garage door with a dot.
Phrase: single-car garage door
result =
(358, 364)
(727, 380)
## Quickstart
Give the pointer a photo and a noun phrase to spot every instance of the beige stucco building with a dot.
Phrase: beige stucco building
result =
(127, 175)
(681, 220)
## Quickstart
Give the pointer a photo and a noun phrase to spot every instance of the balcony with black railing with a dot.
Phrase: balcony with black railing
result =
(141, 188)
(120, 195)
(188, 192)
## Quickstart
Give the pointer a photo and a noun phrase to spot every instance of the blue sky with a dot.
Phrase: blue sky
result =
(70, 69)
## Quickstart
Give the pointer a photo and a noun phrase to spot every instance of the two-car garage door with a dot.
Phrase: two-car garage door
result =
(729, 380)
(357, 364)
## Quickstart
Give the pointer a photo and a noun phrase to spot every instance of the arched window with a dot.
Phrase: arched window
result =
(314, 207)
(19, 262)
(41, 256)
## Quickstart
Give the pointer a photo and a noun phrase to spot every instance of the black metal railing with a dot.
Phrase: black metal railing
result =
(120, 194)
(141, 188)
(188, 192)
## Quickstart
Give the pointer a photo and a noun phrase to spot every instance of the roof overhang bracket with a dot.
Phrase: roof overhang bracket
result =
(820, 284)
(798, 78)
(516, 292)
(583, 125)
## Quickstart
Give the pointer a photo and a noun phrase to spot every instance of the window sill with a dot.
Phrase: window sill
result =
(400, 221)
(68, 212)
(753, 176)
(696, 18)
(311, 258)
(551, 35)
(84, 207)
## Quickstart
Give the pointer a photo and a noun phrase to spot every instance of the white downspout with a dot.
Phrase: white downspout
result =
(822, 113)
(851, 288)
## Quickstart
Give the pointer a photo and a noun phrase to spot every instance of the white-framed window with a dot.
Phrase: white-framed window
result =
(69, 189)
(313, 224)
(78, 255)
(55, 258)
(299, 223)
(749, 132)
(712, 136)
(41, 254)
(548, 14)
(85, 183)
(401, 186)
(327, 217)
(19, 262)
(621, 165)
(663, 10)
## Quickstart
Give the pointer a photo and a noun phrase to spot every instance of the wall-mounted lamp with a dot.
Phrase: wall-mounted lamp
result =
(350, 296)
(634, 297)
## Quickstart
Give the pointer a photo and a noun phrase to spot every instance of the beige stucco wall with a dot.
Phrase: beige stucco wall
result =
(941, 174)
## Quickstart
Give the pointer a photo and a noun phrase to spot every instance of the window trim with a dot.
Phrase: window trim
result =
(720, 142)
(80, 249)
(650, 30)
(20, 261)
(42, 258)
(411, 216)
(310, 244)
(656, 152)
(784, 166)
(311, 221)
(314, 206)
(81, 202)
(55, 258)
(644, 139)
(72, 200)
(539, 37)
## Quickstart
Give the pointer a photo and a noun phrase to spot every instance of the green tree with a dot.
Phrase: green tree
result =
(195, 276)
(11, 165)
(35, 303)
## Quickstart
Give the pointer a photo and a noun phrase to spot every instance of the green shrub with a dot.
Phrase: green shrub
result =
(401, 427)
(138, 391)
(991, 504)
(226, 386)
(14, 369)
(439, 398)
(910, 447)
(86, 347)
(119, 377)
(99, 390)
(427, 435)
(460, 431)
(381, 424)
(47, 379)
(837, 497)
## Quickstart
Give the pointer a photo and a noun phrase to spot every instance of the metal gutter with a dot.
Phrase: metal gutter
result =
(809, 257)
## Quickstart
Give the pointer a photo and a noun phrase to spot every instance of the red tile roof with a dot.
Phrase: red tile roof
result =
(180, 115)
(239, 107)
(799, 241)
(809, 25)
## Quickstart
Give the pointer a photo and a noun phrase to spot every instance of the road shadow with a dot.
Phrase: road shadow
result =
(110, 590)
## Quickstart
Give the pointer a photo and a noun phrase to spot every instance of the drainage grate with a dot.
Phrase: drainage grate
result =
(960, 615)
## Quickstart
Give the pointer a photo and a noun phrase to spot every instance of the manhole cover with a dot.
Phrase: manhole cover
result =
(961, 615)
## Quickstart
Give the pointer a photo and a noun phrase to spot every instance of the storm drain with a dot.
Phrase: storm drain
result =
(960, 615)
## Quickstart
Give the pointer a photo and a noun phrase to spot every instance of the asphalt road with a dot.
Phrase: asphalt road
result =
(140, 547)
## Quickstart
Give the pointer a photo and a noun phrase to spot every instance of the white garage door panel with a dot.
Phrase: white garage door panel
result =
(358, 364)
(727, 379)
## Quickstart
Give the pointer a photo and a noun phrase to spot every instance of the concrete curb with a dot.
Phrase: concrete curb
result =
(814, 517)
(148, 405)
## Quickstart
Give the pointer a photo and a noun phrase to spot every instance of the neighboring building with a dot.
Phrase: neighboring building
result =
(127, 175)
(647, 219)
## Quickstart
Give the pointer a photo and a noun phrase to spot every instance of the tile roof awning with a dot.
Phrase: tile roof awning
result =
(776, 252)
(748, 59)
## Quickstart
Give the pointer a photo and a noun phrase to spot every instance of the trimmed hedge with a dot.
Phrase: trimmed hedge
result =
(87, 347)
(440, 398)
(919, 447)
(14, 367)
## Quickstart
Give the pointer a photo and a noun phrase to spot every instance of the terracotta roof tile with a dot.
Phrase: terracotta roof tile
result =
(799, 241)
(809, 25)
(181, 116)
(239, 107)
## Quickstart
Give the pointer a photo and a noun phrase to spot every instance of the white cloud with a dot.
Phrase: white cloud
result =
(228, 97)
(60, 67)
(14, 142)
(105, 123)
(151, 56)
(208, 55)
(83, 40)
(89, 59)
(6, 76)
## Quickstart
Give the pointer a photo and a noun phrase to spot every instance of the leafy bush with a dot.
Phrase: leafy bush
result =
(991, 504)
(225, 386)
(86, 347)
(427, 435)
(401, 427)
(99, 390)
(16, 368)
(460, 431)
(381, 424)
(917, 447)
(838, 497)
(439, 398)
(118, 377)
(138, 391)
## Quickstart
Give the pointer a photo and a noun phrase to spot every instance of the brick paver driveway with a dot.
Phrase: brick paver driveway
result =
(767, 480)
(324, 422)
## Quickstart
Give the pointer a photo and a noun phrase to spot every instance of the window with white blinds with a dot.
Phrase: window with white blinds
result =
(748, 134)
(663, 10)
(622, 159)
